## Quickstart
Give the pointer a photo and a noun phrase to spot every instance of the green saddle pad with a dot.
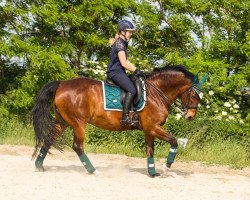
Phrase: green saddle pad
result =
(112, 98)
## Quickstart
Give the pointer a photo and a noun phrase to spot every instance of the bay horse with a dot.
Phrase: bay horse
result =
(78, 102)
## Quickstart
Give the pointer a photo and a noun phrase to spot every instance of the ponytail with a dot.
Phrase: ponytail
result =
(112, 40)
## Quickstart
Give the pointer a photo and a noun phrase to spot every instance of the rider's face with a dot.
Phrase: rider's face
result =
(127, 34)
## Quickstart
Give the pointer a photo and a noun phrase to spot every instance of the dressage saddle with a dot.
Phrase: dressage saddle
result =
(137, 83)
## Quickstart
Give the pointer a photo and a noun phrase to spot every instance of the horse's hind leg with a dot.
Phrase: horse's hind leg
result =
(57, 131)
(78, 147)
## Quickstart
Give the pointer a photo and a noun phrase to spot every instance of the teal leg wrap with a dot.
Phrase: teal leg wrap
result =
(87, 164)
(171, 155)
(40, 158)
(151, 166)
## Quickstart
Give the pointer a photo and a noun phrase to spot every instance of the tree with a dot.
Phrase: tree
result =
(48, 40)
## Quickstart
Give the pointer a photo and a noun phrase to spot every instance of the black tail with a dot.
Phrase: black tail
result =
(43, 120)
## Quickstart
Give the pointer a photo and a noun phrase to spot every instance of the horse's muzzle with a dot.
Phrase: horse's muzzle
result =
(190, 114)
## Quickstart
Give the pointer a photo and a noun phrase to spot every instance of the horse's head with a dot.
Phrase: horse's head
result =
(191, 98)
(173, 82)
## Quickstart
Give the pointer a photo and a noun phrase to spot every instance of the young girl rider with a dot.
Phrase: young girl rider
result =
(119, 63)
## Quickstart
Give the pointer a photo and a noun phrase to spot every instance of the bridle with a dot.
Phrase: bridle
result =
(187, 105)
(182, 108)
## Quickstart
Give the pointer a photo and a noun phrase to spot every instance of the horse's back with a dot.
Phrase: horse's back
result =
(81, 83)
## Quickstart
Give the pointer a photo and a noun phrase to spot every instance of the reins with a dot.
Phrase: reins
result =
(167, 99)
(170, 101)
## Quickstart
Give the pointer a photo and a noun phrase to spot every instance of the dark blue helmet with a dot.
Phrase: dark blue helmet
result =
(125, 25)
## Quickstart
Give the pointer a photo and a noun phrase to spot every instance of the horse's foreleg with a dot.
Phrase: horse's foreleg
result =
(58, 129)
(163, 135)
(150, 155)
(79, 135)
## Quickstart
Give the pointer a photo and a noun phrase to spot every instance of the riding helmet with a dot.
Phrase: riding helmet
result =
(125, 25)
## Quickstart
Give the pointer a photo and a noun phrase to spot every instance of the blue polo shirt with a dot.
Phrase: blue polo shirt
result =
(114, 65)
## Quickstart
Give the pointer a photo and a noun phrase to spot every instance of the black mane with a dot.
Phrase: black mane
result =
(176, 68)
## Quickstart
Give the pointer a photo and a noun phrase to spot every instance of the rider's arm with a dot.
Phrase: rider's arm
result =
(124, 62)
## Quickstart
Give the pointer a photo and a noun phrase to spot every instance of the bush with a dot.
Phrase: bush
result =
(210, 141)
(13, 131)
(199, 132)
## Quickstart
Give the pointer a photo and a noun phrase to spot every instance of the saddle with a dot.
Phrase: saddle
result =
(138, 83)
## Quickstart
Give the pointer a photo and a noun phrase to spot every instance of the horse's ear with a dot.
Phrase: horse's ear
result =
(203, 79)
(196, 79)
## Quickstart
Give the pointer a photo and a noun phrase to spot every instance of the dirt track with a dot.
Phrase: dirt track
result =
(121, 178)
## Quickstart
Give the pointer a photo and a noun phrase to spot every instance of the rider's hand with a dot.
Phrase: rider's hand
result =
(139, 73)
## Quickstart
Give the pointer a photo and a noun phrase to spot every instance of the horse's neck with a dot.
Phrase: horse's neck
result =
(172, 85)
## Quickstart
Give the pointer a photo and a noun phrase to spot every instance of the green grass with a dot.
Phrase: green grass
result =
(214, 152)
(219, 152)
(115, 149)
(15, 133)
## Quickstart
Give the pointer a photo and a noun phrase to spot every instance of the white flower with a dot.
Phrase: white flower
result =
(236, 106)
(216, 111)
(227, 104)
(232, 101)
(211, 92)
(96, 71)
(94, 62)
(231, 117)
(178, 116)
(241, 121)
(218, 117)
(224, 113)
(208, 106)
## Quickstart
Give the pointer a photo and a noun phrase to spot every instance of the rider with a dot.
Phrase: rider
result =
(119, 62)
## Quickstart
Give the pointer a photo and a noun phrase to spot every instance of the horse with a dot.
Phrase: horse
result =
(80, 101)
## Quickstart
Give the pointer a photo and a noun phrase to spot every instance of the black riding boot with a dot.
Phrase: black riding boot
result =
(126, 107)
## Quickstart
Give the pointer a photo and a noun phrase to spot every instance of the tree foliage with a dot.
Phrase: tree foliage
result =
(45, 40)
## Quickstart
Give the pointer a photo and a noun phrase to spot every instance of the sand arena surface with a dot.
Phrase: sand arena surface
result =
(121, 178)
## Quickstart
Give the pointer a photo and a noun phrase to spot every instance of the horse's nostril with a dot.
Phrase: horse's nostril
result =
(190, 118)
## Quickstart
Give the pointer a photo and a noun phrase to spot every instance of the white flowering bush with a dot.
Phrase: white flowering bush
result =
(94, 69)
(221, 110)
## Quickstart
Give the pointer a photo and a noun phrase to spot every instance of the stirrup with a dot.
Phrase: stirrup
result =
(130, 121)
(135, 120)
(125, 122)
(135, 124)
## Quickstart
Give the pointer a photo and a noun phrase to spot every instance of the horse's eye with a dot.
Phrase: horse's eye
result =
(194, 97)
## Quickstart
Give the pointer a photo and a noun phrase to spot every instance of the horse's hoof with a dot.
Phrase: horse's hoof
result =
(155, 175)
(40, 169)
(96, 172)
(166, 169)
(167, 172)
